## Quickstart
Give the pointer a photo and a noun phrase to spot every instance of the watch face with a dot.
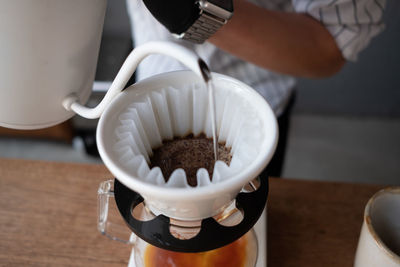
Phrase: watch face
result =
(225, 4)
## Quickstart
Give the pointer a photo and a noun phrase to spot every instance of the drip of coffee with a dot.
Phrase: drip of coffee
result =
(189, 153)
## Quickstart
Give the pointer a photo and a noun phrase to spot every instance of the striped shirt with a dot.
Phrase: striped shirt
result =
(352, 23)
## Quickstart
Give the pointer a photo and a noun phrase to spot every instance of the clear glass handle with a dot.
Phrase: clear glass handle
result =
(110, 222)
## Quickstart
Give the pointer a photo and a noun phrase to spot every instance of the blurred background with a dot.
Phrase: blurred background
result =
(344, 128)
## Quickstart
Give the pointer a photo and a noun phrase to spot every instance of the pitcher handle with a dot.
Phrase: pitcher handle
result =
(180, 53)
(110, 229)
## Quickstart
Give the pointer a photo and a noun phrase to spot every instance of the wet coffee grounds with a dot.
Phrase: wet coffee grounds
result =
(189, 153)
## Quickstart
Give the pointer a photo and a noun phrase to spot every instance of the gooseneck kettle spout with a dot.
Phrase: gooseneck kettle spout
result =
(183, 55)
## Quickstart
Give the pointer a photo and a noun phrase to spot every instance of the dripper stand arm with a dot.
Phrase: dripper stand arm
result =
(180, 53)
(212, 234)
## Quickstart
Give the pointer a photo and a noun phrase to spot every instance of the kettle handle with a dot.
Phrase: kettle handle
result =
(180, 53)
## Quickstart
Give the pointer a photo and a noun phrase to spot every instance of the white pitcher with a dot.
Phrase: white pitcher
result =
(48, 50)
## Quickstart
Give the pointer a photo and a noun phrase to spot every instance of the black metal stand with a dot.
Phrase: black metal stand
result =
(212, 234)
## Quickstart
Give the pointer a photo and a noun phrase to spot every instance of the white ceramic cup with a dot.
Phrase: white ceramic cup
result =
(379, 243)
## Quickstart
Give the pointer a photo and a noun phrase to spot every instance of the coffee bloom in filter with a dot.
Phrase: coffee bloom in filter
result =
(176, 104)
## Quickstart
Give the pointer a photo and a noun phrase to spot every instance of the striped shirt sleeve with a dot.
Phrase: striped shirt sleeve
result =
(352, 23)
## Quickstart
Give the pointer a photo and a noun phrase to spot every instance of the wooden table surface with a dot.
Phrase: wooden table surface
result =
(48, 217)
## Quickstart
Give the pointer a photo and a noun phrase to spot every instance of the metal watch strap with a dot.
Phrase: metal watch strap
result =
(212, 17)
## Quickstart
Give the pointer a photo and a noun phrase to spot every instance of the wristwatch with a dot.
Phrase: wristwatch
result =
(192, 20)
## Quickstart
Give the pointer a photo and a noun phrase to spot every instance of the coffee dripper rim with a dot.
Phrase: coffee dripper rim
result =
(235, 183)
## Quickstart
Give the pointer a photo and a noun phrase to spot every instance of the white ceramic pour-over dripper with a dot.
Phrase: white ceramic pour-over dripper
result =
(178, 200)
(244, 120)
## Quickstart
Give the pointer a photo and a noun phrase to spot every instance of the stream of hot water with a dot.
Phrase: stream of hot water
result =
(205, 71)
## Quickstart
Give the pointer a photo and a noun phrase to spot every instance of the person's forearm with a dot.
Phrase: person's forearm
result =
(289, 43)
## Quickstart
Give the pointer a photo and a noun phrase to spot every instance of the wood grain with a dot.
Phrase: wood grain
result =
(63, 132)
(315, 223)
(48, 218)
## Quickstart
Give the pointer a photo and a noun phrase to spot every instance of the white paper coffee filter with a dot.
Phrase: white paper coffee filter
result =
(175, 105)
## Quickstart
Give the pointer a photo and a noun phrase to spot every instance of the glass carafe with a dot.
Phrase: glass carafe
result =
(240, 253)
